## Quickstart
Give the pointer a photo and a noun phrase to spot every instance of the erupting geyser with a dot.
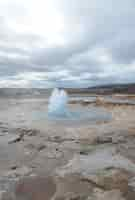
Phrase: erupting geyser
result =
(58, 110)
(58, 104)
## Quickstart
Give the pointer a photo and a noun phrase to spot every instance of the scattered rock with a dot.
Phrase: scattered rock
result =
(30, 146)
(18, 172)
(114, 139)
(57, 139)
(5, 130)
(132, 183)
(85, 103)
(20, 136)
(32, 132)
(103, 140)
(83, 153)
(14, 167)
(38, 147)
(53, 154)
(16, 138)
(41, 147)
(118, 139)
(28, 132)
(23, 171)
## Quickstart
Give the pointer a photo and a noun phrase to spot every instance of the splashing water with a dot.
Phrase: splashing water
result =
(58, 104)
(58, 109)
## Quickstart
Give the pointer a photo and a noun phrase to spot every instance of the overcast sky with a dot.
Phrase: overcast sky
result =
(71, 43)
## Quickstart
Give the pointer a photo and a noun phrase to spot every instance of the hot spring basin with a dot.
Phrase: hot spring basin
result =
(59, 110)
(75, 115)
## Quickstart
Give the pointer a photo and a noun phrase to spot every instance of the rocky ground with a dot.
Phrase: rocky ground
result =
(40, 160)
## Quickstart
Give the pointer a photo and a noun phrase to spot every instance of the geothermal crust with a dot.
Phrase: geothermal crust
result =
(46, 160)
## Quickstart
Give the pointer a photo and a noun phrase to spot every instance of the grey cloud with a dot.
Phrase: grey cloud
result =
(103, 22)
(89, 25)
(58, 55)
(123, 48)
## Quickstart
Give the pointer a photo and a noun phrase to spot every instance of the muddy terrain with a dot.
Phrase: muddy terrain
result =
(45, 160)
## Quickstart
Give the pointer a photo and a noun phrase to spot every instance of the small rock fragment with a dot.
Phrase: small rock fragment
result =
(16, 139)
(41, 147)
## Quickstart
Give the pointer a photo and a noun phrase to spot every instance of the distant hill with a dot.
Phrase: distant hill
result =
(108, 89)
(43, 93)
(116, 88)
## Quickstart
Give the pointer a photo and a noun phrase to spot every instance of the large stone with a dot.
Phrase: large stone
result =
(15, 138)
(99, 101)
(107, 195)
(19, 172)
(109, 179)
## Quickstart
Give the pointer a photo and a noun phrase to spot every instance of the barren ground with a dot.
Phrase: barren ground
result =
(41, 160)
